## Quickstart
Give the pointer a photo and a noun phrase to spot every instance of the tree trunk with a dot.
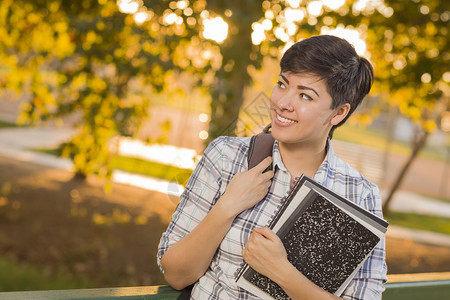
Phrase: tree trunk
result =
(228, 91)
(79, 176)
(418, 145)
(225, 107)
(393, 111)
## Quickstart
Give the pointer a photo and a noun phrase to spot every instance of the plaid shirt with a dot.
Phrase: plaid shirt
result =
(225, 157)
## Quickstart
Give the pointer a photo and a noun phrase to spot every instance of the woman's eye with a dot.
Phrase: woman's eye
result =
(280, 84)
(305, 96)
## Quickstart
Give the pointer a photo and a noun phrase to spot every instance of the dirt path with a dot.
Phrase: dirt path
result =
(49, 220)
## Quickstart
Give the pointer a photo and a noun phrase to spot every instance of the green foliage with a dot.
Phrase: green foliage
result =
(15, 277)
(140, 166)
(81, 58)
(89, 60)
(153, 169)
(411, 54)
(407, 43)
(7, 124)
(376, 139)
(423, 222)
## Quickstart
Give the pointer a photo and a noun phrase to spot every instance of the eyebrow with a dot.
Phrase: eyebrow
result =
(300, 87)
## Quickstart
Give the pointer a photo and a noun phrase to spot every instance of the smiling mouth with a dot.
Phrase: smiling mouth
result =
(284, 120)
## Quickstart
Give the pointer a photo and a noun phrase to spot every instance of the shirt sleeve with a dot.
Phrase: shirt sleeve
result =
(201, 192)
(368, 283)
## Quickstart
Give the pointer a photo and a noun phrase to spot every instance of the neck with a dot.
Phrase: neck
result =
(301, 159)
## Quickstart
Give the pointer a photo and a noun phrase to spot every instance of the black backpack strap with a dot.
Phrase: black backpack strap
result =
(186, 293)
(261, 146)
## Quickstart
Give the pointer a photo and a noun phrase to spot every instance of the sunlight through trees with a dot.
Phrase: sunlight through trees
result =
(98, 60)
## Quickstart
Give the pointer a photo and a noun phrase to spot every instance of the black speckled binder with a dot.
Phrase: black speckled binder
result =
(326, 237)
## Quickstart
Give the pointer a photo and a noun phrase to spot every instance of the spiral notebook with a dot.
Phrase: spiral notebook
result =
(327, 238)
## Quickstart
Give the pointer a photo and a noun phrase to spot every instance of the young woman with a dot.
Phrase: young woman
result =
(222, 217)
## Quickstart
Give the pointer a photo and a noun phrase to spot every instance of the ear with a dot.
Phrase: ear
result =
(340, 114)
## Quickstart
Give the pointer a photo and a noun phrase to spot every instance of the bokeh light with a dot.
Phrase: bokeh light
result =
(294, 3)
(203, 117)
(215, 29)
(258, 34)
(333, 4)
(128, 6)
(350, 35)
(141, 16)
(203, 134)
(315, 8)
(426, 78)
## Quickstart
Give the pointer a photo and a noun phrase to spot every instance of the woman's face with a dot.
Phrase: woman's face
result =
(301, 109)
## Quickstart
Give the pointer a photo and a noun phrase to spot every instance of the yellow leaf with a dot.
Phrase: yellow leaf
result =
(100, 25)
(430, 29)
(141, 220)
(429, 125)
(120, 217)
(90, 37)
(365, 119)
(414, 113)
(60, 27)
(97, 84)
(54, 6)
(99, 219)
(33, 18)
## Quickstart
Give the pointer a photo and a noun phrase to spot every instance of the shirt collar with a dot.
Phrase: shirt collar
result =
(276, 155)
(325, 168)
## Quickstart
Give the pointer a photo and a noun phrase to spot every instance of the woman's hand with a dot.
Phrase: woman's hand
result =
(265, 253)
(247, 188)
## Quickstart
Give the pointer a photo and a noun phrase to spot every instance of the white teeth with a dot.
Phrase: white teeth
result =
(285, 120)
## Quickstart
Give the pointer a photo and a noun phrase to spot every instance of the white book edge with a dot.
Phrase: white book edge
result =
(248, 286)
(295, 202)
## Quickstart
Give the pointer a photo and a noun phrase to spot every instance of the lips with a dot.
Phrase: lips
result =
(285, 120)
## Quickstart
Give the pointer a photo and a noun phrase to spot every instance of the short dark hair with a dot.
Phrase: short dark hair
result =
(348, 76)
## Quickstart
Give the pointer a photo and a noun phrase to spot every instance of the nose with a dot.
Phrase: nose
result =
(285, 103)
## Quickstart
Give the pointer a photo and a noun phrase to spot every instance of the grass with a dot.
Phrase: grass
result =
(376, 139)
(440, 199)
(359, 135)
(54, 151)
(153, 169)
(16, 277)
(367, 137)
(4, 124)
(141, 167)
(416, 221)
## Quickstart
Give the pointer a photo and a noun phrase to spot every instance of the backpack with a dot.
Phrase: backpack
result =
(260, 147)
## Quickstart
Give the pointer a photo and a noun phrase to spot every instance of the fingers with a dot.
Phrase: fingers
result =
(259, 168)
(265, 232)
(261, 234)
(248, 187)
(268, 175)
(263, 178)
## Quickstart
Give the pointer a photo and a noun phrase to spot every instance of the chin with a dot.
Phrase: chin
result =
(281, 135)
